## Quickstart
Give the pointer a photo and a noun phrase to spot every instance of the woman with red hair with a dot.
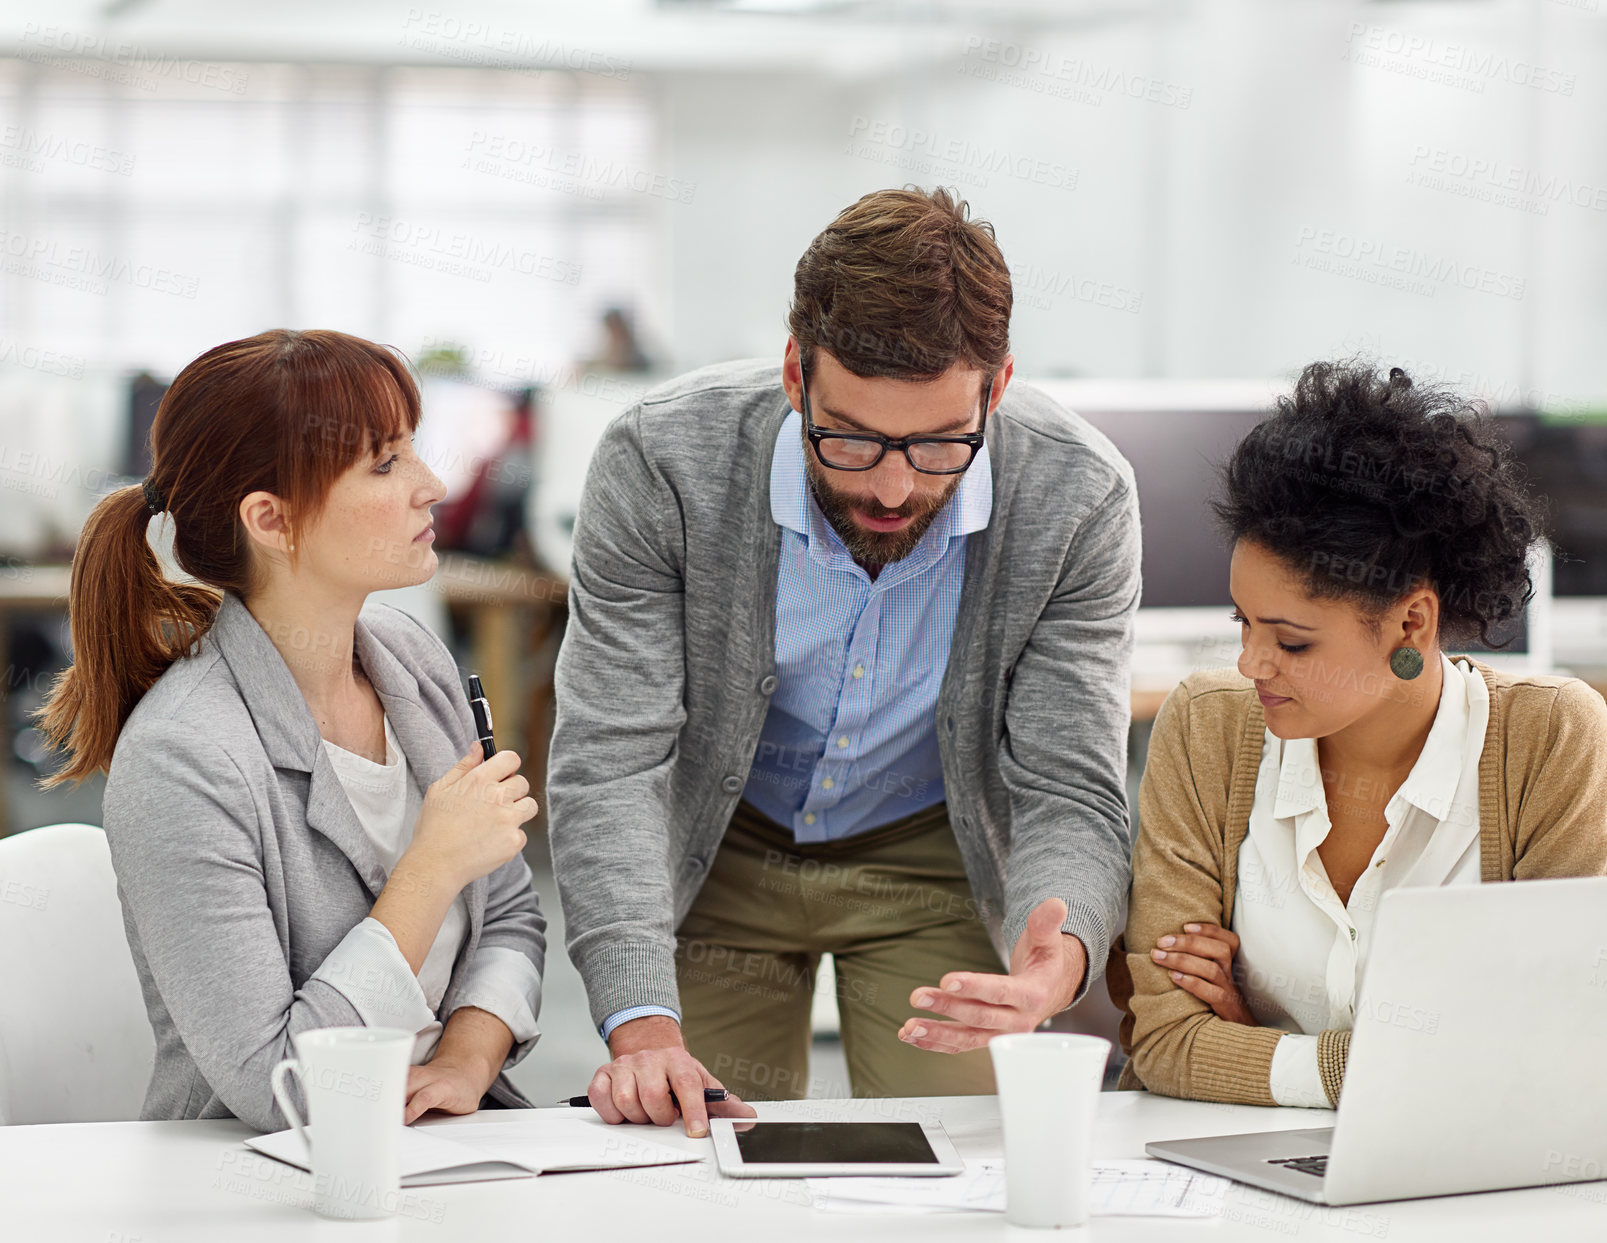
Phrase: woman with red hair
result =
(303, 829)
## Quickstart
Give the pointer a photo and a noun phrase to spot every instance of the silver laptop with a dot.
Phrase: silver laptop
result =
(1478, 1060)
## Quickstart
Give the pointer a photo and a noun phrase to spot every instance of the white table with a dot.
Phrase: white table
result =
(193, 1182)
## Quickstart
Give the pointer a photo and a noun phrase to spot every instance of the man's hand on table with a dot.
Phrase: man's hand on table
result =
(1047, 968)
(650, 1061)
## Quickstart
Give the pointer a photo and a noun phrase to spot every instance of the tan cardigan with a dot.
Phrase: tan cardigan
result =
(1542, 813)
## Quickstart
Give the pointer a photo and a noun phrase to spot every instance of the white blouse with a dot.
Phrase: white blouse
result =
(500, 980)
(1302, 951)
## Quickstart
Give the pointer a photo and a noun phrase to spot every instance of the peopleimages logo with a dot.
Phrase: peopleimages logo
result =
(923, 151)
(1407, 1018)
(572, 172)
(496, 47)
(1494, 181)
(36, 358)
(454, 253)
(117, 60)
(1495, 391)
(1378, 262)
(1065, 77)
(1449, 64)
(25, 147)
(1045, 288)
(29, 897)
(79, 267)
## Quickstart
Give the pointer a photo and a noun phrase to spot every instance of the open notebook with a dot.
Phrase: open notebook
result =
(471, 1152)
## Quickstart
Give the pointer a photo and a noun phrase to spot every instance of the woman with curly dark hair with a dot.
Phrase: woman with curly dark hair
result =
(1374, 524)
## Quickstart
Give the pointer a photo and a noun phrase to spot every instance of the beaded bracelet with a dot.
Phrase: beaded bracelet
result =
(1333, 1050)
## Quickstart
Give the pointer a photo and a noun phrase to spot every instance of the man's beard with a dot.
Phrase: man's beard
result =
(875, 547)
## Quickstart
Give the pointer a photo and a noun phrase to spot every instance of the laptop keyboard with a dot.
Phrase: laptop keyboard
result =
(1306, 1165)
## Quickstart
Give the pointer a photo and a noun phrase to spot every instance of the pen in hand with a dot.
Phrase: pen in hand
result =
(481, 708)
(711, 1096)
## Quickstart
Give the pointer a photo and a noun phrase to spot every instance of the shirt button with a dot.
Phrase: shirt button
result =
(828, 783)
(731, 785)
(809, 817)
(859, 671)
(1352, 934)
(769, 684)
(843, 741)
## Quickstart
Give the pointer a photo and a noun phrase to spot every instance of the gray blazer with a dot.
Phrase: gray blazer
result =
(241, 864)
(668, 663)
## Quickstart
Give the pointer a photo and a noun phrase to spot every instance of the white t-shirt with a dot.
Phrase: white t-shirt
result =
(500, 980)
(387, 805)
(1303, 952)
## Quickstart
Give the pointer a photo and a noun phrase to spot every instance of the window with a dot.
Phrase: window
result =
(150, 217)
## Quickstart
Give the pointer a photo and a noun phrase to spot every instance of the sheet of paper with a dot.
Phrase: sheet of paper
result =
(1138, 1188)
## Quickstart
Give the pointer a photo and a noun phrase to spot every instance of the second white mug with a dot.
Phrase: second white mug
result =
(355, 1082)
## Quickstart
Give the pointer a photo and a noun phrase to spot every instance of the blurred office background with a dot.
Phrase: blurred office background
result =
(550, 206)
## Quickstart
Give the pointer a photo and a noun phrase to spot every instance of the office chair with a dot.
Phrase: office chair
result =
(75, 1043)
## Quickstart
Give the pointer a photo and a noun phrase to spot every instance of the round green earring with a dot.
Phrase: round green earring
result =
(1406, 663)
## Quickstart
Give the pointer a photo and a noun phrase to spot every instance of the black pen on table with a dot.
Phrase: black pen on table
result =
(711, 1096)
(481, 708)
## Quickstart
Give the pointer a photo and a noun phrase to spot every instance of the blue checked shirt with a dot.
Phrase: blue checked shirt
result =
(850, 738)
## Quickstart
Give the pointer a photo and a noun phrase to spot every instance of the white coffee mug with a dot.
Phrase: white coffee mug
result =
(1048, 1095)
(355, 1082)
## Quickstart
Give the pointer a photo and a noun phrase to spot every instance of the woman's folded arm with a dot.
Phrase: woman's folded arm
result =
(1179, 1047)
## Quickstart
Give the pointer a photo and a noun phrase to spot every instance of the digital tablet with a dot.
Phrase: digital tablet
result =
(748, 1149)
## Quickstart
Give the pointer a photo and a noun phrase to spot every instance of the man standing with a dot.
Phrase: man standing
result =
(846, 672)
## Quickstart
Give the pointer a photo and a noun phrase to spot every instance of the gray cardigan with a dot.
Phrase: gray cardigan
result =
(241, 865)
(668, 662)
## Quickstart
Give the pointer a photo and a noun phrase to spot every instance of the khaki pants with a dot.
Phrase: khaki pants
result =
(892, 906)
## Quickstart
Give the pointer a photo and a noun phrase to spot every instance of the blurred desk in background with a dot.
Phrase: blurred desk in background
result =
(24, 588)
(515, 616)
(1147, 702)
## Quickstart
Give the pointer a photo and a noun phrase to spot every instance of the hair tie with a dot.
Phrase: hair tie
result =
(153, 498)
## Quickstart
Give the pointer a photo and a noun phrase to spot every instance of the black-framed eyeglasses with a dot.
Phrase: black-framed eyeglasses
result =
(931, 455)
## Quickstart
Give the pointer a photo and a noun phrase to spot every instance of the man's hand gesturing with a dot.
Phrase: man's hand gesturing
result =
(1046, 970)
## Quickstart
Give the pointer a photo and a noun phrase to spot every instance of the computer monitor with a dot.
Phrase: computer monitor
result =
(1566, 456)
(1567, 460)
(574, 416)
(1176, 434)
